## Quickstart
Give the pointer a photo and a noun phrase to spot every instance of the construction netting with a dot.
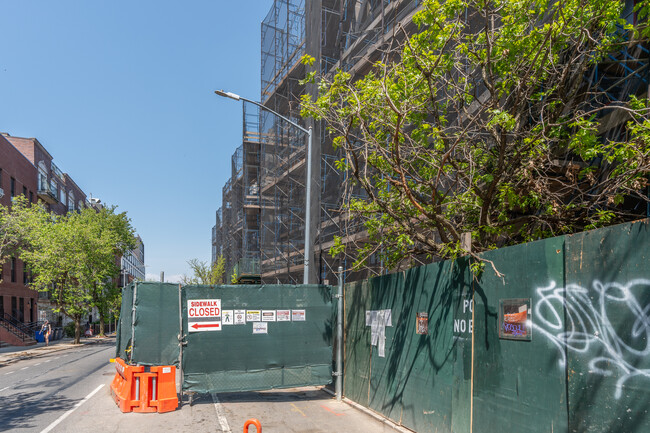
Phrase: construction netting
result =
(269, 336)
(149, 324)
(234, 338)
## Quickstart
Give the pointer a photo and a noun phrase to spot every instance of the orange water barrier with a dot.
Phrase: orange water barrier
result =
(137, 390)
(254, 422)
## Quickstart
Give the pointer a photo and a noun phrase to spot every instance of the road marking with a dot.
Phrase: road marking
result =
(47, 360)
(330, 410)
(76, 406)
(36, 365)
(295, 409)
(11, 372)
(220, 414)
(6, 387)
(24, 368)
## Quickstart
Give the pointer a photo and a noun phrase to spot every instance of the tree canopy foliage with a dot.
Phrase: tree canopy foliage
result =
(74, 257)
(490, 120)
(203, 273)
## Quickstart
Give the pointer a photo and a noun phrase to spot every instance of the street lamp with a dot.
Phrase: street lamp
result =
(305, 278)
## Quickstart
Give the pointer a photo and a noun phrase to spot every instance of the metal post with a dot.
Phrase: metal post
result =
(308, 248)
(135, 296)
(162, 276)
(339, 338)
(305, 278)
(180, 338)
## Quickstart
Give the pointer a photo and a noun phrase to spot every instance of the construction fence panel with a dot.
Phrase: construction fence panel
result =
(400, 346)
(558, 340)
(284, 339)
(607, 344)
(519, 380)
(149, 324)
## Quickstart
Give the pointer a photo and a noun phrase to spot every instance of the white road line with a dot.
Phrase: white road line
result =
(11, 372)
(24, 368)
(76, 406)
(47, 360)
(221, 416)
(6, 387)
(36, 365)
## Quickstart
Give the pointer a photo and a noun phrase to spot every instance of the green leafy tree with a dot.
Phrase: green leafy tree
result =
(105, 236)
(204, 273)
(73, 256)
(489, 121)
(10, 232)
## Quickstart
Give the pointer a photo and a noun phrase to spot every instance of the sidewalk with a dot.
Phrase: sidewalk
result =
(12, 354)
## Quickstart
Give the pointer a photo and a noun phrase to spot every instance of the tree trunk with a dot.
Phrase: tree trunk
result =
(101, 323)
(77, 329)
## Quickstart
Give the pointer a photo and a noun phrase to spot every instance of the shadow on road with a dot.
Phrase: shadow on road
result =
(20, 412)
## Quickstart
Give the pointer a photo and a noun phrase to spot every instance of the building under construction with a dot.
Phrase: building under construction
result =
(260, 227)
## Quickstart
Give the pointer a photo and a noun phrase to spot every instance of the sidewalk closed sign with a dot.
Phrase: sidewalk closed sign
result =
(204, 315)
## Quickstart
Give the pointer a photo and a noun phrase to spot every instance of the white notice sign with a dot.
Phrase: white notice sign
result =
(284, 316)
(253, 316)
(268, 315)
(240, 317)
(203, 315)
(260, 328)
(227, 317)
(298, 315)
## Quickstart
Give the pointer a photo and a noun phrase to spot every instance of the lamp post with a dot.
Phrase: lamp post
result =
(305, 279)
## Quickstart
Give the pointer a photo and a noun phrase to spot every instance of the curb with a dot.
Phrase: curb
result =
(19, 355)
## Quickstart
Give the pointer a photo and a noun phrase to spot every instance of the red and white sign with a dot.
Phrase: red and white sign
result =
(204, 308)
(204, 315)
(204, 326)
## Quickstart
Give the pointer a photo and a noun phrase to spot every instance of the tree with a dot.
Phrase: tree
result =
(210, 275)
(490, 120)
(106, 237)
(73, 256)
(10, 233)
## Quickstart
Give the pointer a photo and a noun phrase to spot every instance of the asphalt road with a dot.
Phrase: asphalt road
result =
(69, 391)
(36, 392)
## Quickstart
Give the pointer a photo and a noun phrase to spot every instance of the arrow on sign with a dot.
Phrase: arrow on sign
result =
(210, 325)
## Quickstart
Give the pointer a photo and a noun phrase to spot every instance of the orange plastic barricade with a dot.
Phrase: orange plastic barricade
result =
(255, 422)
(123, 387)
(145, 384)
(137, 390)
(165, 398)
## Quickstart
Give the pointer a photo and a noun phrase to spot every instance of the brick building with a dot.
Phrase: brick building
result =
(27, 168)
(17, 176)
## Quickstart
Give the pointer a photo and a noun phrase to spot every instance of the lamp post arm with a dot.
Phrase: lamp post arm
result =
(292, 123)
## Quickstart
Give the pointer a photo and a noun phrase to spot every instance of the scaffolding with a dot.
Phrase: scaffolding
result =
(263, 210)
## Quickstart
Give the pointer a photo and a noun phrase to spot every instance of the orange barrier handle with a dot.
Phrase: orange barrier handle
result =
(255, 422)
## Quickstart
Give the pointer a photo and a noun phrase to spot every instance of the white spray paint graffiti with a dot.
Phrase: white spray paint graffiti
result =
(588, 326)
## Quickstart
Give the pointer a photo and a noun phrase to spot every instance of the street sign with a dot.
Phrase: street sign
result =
(204, 315)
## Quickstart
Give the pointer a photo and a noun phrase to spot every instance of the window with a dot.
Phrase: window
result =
(42, 177)
(13, 187)
(13, 269)
(25, 191)
(0, 178)
(31, 197)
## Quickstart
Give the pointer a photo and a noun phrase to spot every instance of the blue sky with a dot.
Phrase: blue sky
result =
(121, 94)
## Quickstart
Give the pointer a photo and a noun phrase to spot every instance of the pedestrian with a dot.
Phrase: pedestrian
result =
(46, 330)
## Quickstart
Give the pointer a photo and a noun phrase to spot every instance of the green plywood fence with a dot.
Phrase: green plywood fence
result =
(586, 367)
